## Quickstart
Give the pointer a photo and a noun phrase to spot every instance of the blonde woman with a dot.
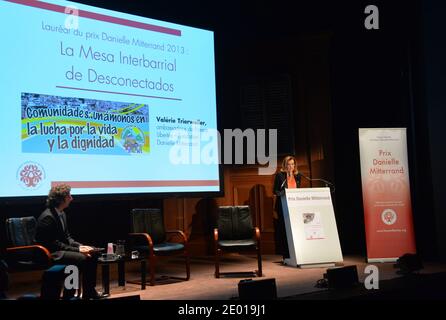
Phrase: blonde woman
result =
(287, 177)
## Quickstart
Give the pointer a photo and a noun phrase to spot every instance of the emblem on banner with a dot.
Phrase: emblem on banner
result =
(388, 216)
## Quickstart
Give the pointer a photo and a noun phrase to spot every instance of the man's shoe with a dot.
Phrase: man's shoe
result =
(94, 295)
(68, 294)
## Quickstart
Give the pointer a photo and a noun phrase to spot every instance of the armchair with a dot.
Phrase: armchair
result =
(235, 232)
(150, 237)
(23, 253)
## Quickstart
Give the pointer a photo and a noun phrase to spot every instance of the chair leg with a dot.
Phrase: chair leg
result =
(186, 254)
(217, 263)
(81, 288)
(152, 262)
(259, 263)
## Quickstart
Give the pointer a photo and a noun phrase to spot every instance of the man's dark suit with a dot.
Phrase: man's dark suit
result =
(51, 234)
(64, 249)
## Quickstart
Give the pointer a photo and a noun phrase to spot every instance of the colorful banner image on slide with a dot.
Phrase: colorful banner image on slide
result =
(70, 125)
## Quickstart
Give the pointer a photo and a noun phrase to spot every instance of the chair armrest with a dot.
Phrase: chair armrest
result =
(36, 248)
(215, 234)
(257, 234)
(181, 233)
(143, 236)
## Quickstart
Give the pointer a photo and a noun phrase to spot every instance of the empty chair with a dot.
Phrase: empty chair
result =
(235, 232)
(150, 237)
(23, 253)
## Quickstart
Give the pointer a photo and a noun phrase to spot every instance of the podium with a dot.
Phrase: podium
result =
(310, 225)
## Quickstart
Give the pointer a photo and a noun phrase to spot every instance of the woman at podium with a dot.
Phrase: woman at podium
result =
(287, 177)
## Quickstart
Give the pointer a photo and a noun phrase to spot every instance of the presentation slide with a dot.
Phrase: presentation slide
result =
(107, 102)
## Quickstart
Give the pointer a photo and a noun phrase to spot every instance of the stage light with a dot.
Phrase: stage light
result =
(408, 264)
(342, 277)
(264, 289)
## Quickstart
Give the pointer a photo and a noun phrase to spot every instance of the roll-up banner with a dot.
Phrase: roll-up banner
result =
(386, 193)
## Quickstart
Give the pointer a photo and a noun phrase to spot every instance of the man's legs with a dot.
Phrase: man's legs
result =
(87, 265)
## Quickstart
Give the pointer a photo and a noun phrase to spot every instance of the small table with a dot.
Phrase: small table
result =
(105, 264)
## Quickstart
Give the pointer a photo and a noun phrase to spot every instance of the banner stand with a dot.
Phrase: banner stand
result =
(382, 260)
(314, 265)
(386, 195)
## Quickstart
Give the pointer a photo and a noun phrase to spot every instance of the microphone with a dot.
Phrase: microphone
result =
(283, 183)
(327, 183)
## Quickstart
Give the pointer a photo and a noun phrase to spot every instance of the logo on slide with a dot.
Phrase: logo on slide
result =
(133, 139)
(388, 216)
(30, 175)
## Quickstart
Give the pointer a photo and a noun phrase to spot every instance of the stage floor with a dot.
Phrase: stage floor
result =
(291, 282)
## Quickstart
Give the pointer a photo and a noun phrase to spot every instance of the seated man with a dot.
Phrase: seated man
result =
(52, 232)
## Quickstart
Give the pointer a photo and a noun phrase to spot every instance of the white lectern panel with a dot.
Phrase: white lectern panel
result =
(311, 227)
